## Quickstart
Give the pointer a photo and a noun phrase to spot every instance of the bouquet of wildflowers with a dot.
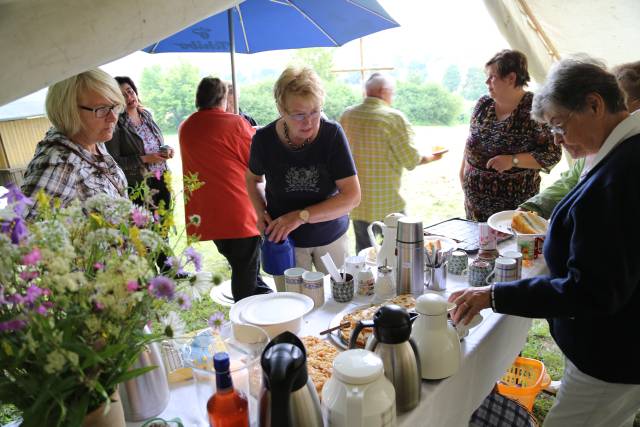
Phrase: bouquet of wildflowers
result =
(77, 287)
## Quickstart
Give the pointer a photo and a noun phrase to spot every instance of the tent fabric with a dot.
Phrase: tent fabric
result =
(606, 30)
(45, 41)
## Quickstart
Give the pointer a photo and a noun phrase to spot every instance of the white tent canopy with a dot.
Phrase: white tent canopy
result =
(45, 41)
(546, 30)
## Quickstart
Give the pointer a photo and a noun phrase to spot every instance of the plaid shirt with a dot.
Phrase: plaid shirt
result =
(381, 140)
(66, 170)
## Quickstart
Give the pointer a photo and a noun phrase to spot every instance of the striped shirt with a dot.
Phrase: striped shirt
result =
(381, 140)
(66, 170)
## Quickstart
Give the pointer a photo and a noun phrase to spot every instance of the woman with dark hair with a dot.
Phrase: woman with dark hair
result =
(591, 296)
(505, 148)
(138, 147)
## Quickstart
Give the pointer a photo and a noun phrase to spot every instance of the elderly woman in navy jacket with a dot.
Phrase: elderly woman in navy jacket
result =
(591, 297)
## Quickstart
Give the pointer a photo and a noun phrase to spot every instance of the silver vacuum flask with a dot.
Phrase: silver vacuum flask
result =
(410, 250)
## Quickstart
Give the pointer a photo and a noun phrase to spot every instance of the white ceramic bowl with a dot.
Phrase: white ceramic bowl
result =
(265, 311)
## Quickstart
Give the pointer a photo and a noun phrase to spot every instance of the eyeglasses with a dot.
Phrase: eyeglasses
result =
(300, 117)
(559, 129)
(102, 112)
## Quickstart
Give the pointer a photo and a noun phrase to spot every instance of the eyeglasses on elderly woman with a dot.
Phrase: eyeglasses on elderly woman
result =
(558, 129)
(102, 112)
(300, 117)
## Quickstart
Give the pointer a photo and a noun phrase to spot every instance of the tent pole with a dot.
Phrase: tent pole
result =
(232, 50)
(553, 52)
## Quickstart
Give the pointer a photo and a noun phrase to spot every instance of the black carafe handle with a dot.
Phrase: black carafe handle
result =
(356, 331)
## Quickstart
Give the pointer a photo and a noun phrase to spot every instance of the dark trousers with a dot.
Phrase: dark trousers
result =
(362, 237)
(244, 257)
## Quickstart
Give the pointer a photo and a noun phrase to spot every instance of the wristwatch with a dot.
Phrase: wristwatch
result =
(514, 160)
(304, 215)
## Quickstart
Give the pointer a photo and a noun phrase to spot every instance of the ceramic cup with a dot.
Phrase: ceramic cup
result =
(478, 272)
(293, 279)
(353, 265)
(342, 291)
(527, 246)
(506, 270)
(313, 287)
(488, 238)
(458, 262)
(518, 257)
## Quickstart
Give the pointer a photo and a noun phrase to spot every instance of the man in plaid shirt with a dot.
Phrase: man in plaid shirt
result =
(381, 140)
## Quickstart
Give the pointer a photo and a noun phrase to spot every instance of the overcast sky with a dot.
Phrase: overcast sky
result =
(441, 32)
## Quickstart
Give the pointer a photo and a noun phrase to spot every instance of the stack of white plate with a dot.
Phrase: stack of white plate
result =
(275, 313)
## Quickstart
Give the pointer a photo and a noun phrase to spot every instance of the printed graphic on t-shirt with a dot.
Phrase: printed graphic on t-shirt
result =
(302, 179)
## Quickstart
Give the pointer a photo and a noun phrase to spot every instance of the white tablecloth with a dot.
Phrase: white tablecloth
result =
(488, 351)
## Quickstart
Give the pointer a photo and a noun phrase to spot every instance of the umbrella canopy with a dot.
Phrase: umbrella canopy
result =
(262, 25)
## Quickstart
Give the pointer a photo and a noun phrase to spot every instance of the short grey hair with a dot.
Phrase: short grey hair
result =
(379, 81)
(570, 81)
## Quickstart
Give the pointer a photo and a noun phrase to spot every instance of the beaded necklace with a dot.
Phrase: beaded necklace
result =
(288, 139)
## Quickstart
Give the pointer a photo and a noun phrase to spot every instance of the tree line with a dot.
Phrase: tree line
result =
(170, 94)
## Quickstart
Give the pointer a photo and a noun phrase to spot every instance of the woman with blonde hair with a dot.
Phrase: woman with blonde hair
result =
(71, 161)
(311, 177)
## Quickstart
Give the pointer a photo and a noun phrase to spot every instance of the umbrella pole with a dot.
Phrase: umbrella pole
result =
(232, 50)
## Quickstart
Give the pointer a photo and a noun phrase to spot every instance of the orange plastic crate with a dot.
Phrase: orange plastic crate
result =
(524, 380)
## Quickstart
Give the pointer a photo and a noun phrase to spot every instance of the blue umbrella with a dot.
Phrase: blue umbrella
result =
(261, 25)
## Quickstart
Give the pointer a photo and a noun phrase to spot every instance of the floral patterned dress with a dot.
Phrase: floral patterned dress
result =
(488, 191)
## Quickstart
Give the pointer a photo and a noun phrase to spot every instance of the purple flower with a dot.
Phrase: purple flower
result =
(183, 301)
(173, 262)
(216, 320)
(33, 292)
(97, 305)
(158, 174)
(41, 309)
(28, 275)
(12, 325)
(193, 256)
(162, 287)
(32, 257)
(98, 266)
(140, 218)
(16, 228)
(16, 299)
(15, 196)
(132, 286)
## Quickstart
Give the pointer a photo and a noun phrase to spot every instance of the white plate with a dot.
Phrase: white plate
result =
(501, 221)
(276, 308)
(446, 243)
(366, 254)
(336, 336)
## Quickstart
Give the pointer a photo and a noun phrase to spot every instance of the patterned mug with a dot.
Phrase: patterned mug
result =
(458, 262)
(478, 272)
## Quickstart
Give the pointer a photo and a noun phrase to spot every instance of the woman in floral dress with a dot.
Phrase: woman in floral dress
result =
(506, 148)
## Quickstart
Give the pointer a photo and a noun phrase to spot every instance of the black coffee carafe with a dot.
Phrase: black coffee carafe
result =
(288, 398)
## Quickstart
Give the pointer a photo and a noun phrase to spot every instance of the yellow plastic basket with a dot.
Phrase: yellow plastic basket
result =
(524, 380)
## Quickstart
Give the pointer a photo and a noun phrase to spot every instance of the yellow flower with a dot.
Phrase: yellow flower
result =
(134, 234)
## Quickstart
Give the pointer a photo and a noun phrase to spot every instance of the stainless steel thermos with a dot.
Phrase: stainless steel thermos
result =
(410, 250)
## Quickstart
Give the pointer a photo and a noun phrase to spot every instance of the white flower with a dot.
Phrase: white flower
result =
(55, 362)
(151, 240)
(113, 210)
(199, 285)
(174, 321)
